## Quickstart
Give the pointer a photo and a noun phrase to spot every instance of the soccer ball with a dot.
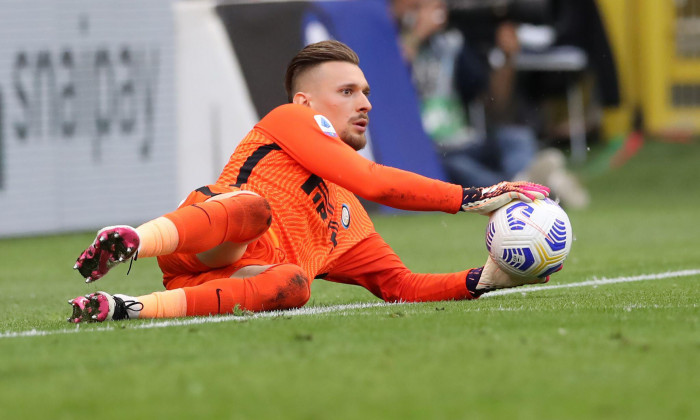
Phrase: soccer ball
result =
(529, 240)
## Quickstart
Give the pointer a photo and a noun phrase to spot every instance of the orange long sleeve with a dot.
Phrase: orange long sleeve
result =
(294, 128)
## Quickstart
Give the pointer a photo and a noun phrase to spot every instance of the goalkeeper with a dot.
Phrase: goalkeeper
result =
(283, 212)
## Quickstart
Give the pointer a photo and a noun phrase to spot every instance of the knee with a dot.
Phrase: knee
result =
(251, 211)
(259, 212)
(295, 291)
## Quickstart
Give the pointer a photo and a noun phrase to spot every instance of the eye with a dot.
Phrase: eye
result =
(346, 91)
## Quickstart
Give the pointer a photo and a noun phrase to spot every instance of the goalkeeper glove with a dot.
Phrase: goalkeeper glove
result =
(484, 200)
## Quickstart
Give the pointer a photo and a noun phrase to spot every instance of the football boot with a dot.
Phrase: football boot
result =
(112, 245)
(101, 306)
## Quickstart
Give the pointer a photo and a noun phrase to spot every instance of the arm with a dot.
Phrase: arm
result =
(295, 130)
(372, 264)
(418, 24)
(502, 79)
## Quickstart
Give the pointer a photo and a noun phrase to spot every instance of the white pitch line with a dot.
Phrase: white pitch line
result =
(317, 310)
(312, 310)
(598, 282)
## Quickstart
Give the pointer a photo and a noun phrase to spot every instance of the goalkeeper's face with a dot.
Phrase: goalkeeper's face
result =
(339, 91)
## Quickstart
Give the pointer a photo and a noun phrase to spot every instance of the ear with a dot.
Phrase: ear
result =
(302, 98)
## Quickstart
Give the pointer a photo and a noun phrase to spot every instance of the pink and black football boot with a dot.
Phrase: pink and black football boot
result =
(101, 306)
(112, 245)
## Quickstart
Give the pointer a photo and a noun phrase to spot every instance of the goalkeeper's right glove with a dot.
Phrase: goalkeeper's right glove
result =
(484, 200)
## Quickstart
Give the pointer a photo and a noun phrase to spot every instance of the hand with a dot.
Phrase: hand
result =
(484, 200)
(419, 21)
(507, 39)
(430, 18)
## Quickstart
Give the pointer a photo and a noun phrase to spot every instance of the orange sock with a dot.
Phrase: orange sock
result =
(282, 286)
(168, 304)
(158, 237)
(238, 219)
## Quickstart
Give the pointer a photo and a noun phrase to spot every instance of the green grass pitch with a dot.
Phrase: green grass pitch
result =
(627, 350)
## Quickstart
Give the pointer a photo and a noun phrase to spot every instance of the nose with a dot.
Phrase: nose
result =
(364, 104)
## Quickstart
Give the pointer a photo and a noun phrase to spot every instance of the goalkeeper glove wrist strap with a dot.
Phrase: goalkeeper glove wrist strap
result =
(470, 195)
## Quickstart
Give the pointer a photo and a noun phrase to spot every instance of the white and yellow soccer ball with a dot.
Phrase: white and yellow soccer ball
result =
(529, 240)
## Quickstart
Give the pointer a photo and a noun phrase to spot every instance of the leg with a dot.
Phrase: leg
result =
(549, 168)
(253, 288)
(276, 287)
(218, 230)
(517, 147)
(237, 218)
(469, 167)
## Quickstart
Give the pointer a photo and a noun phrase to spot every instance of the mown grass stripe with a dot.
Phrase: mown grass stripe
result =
(319, 310)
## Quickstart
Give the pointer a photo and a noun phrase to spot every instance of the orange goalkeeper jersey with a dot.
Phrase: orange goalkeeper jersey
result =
(309, 176)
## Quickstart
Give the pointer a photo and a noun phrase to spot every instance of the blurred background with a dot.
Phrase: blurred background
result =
(112, 111)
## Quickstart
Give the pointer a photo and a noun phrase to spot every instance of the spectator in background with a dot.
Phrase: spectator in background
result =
(467, 107)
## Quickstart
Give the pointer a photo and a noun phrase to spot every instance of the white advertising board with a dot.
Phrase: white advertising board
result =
(87, 114)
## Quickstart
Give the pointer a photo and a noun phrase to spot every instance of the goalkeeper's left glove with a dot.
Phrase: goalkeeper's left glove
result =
(484, 200)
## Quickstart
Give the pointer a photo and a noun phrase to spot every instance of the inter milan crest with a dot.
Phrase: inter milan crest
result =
(345, 216)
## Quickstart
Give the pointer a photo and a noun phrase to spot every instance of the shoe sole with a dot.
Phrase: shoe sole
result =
(91, 308)
(112, 245)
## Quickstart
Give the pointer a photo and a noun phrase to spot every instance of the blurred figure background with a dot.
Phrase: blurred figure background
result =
(470, 106)
(532, 84)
